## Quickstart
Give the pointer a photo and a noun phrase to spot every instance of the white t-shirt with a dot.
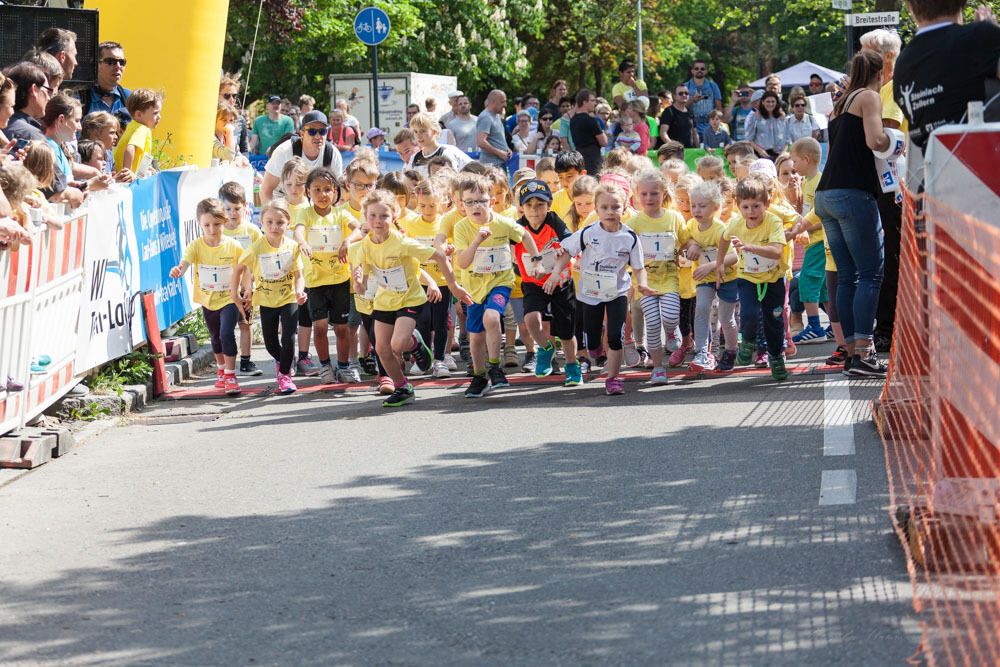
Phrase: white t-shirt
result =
(457, 158)
(283, 153)
(605, 252)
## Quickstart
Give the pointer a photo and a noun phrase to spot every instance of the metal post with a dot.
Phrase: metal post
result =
(375, 92)
(638, 31)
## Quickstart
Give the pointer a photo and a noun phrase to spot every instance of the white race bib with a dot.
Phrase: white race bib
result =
(658, 247)
(425, 240)
(242, 239)
(393, 279)
(145, 164)
(709, 255)
(547, 262)
(756, 264)
(275, 265)
(215, 277)
(492, 260)
(371, 289)
(324, 239)
(600, 285)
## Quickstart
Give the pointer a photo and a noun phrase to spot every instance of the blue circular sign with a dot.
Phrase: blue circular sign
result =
(371, 25)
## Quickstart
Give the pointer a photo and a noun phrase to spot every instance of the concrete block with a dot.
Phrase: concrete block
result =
(192, 340)
(175, 347)
(26, 451)
(65, 441)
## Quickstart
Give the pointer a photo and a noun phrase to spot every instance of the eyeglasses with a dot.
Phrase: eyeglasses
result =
(111, 62)
(476, 203)
(700, 69)
(545, 118)
(683, 92)
(797, 105)
(51, 91)
(362, 186)
(313, 131)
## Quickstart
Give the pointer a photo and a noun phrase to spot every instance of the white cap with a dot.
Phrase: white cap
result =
(455, 93)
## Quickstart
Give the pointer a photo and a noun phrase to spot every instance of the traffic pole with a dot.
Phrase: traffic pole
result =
(375, 84)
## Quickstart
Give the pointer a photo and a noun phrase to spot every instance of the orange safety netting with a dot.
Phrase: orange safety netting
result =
(939, 417)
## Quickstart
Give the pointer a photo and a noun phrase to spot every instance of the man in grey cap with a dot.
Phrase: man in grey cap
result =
(268, 129)
(452, 102)
(311, 144)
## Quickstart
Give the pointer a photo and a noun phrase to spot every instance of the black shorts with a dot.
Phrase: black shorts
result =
(305, 319)
(330, 302)
(390, 316)
(560, 306)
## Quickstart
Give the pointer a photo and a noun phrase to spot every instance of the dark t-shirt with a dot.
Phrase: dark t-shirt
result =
(585, 129)
(941, 71)
(23, 126)
(680, 124)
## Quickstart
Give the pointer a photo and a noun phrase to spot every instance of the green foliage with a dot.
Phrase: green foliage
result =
(89, 413)
(136, 367)
(163, 154)
(194, 323)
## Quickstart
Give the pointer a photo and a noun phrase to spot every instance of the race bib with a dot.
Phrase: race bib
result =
(275, 265)
(242, 239)
(600, 285)
(324, 239)
(145, 164)
(547, 262)
(393, 279)
(682, 259)
(709, 255)
(492, 260)
(658, 247)
(756, 264)
(215, 277)
(371, 289)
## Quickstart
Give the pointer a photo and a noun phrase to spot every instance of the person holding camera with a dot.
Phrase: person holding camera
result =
(736, 112)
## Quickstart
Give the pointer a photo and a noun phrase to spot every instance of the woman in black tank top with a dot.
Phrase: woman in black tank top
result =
(846, 203)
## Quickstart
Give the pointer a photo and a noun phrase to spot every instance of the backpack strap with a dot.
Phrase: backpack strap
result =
(327, 154)
(296, 145)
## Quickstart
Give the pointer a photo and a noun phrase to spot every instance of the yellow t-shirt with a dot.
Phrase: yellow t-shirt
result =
(789, 218)
(809, 193)
(213, 271)
(891, 110)
(245, 234)
(661, 238)
(561, 204)
(353, 212)
(761, 269)
(273, 271)
(709, 240)
(493, 263)
(138, 135)
(424, 232)
(364, 303)
(626, 91)
(448, 221)
(394, 263)
(325, 234)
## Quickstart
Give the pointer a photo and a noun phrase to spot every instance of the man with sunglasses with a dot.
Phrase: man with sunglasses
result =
(677, 120)
(705, 95)
(311, 144)
(108, 95)
(229, 92)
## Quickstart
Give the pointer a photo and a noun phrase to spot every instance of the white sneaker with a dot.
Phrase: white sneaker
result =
(673, 340)
(326, 373)
(449, 362)
(631, 354)
(440, 370)
(354, 365)
(410, 368)
(348, 375)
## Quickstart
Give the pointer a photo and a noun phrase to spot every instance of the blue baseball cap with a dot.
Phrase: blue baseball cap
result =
(534, 189)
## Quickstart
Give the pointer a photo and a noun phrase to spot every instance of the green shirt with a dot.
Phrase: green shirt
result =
(270, 131)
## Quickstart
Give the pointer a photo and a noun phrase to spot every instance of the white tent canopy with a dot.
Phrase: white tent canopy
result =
(798, 75)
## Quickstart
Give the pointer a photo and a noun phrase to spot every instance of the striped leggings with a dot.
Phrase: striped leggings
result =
(660, 312)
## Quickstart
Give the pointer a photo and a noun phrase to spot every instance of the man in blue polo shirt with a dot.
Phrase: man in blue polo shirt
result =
(108, 95)
(705, 96)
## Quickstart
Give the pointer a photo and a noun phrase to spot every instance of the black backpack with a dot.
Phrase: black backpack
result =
(327, 149)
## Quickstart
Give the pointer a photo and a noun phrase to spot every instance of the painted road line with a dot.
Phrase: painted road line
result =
(838, 487)
(838, 418)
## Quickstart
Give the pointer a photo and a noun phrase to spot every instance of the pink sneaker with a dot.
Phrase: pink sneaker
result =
(285, 384)
(760, 361)
(677, 356)
(614, 386)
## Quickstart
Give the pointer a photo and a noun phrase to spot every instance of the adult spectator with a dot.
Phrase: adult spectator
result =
(311, 144)
(270, 127)
(736, 112)
(53, 70)
(800, 123)
(588, 136)
(405, 144)
(462, 128)
(537, 142)
(815, 84)
(430, 104)
(888, 44)
(490, 137)
(768, 128)
(522, 133)
(773, 84)
(628, 87)
(558, 91)
(61, 44)
(705, 95)
(846, 203)
(528, 104)
(453, 98)
(6, 106)
(229, 93)
(306, 103)
(108, 95)
(32, 94)
(344, 137)
(677, 121)
(411, 111)
(349, 120)
(560, 127)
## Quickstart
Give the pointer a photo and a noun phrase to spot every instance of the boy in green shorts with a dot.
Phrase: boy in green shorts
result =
(806, 154)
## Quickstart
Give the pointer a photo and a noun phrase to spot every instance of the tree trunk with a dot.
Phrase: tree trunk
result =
(598, 80)
(888, 5)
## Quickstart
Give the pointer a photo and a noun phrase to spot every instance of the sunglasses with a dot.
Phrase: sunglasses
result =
(545, 118)
(313, 131)
(796, 106)
(700, 69)
(113, 61)
(51, 91)
(229, 96)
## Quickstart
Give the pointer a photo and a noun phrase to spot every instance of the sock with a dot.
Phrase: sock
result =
(230, 372)
(303, 355)
(400, 385)
(482, 372)
(324, 362)
(341, 364)
(352, 359)
(222, 368)
(245, 357)
(548, 347)
(494, 362)
(814, 321)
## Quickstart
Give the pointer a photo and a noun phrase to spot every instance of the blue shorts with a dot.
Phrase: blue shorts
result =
(496, 300)
(728, 292)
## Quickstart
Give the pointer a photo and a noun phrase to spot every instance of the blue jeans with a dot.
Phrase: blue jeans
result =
(854, 232)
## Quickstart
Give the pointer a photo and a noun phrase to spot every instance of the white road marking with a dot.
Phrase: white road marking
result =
(838, 487)
(838, 417)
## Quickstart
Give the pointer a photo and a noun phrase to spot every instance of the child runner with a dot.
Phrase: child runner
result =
(685, 344)
(273, 265)
(607, 250)
(434, 317)
(392, 259)
(546, 229)
(662, 232)
(293, 182)
(213, 256)
(705, 229)
(482, 244)
(569, 166)
(323, 235)
(759, 237)
(806, 154)
(234, 202)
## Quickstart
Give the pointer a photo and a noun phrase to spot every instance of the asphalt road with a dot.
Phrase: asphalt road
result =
(699, 523)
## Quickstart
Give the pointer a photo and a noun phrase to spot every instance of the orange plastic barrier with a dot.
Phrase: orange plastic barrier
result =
(939, 413)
